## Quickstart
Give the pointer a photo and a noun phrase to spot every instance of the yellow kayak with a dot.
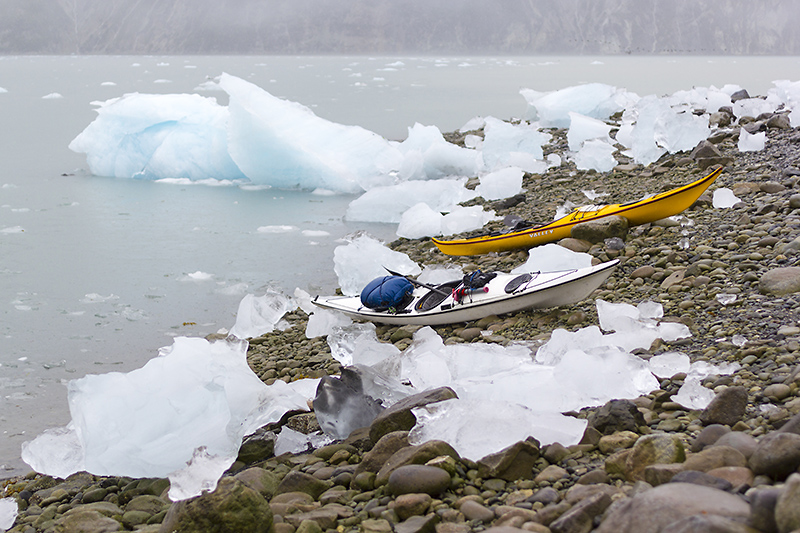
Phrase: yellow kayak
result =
(662, 205)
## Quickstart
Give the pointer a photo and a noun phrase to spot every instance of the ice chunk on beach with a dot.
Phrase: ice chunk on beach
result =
(365, 258)
(583, 128)
(519, 145)
(652, 128)
(8, 508)
(259, 314)
(422, 221)
(723, 198)
(427, 155)
(358, 344)
(436, 275)
(751, 142)
(149, 422)
(321, 322)
(201, 473)
(753, 107)
(668, 364)
(693, 395)
(637, 327)
(445, 421)
(595, 100)
(388, 203)
(552, 257)
(500, 184)
(596, 155)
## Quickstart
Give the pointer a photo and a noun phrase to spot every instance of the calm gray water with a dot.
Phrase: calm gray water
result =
(95, 273)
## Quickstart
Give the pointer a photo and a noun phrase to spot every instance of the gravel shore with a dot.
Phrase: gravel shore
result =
(645, 464)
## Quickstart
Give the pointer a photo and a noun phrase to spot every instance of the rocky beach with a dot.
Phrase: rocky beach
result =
(644, 464)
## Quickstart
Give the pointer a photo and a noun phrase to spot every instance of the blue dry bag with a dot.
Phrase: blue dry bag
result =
(389, 291)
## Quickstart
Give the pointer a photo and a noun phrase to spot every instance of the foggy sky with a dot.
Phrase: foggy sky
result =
(709, 27)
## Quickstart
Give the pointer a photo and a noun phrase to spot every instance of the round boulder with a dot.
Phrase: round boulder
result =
(233, 506)
(418, 479)
(655, 509)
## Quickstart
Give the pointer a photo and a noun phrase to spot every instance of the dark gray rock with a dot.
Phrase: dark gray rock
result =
(581, 517)
(599, 230)
(655, 509)
(780, 281)
(512, 463)
(777, 455)
(418, 478)
(701, 478)
(743, 442)
(741, 94)
(296, 481)
(399, 417)
(418, 524)
(257, 447)
(707, 155)
(617, 415)
(762, 509)
(708, 436)
(727, 407)
(787, 508)
(86, 520)
(708, 524)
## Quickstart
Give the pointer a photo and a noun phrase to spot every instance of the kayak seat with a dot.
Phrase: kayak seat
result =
(515, 283)
(434, 298)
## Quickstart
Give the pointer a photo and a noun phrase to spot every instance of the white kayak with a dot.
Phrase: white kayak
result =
(448, 303)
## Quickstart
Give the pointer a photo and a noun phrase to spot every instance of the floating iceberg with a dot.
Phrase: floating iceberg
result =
(158, 136)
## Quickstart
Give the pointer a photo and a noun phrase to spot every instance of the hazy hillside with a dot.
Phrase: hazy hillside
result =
(399, 26)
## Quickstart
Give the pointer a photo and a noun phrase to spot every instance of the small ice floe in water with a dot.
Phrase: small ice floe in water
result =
(277, 229)
(198, 276)
(93, 298)
(108, 84)
(723, 198)
(314, 233)
(12, 229)
(52, 96)
(751, 142)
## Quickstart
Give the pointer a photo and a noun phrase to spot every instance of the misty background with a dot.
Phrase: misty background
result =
(530, 27)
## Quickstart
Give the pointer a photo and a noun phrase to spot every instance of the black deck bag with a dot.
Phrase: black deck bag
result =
(387, 292)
